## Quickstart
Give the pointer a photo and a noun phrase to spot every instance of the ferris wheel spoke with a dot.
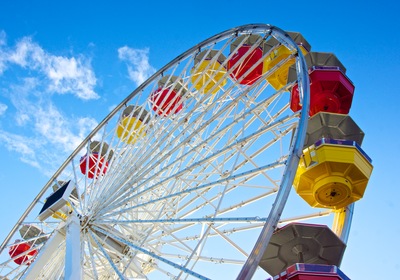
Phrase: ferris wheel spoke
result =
(192, 190)
(90, 258)
(212, 157)
(149, 253)
(203, 186)
(170, 152)
(106, 255)
(187, 221)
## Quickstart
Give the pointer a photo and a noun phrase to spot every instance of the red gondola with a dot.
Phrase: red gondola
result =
(245, 58)
(167, 98)
(19, 249)
(91, 164)
(95, 162)
(330, 91)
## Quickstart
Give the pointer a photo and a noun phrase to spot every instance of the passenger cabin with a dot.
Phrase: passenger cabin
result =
(132, 125)
(167, 99)
(208, 72)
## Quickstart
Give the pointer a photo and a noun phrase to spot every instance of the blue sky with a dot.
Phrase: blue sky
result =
(64, 65)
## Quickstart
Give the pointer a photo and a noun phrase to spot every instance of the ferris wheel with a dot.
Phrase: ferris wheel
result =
(190, 176)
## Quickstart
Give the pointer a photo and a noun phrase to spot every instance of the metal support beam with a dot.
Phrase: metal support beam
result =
(45, 254)
(73, 263)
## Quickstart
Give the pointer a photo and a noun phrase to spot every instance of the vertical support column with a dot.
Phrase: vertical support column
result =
(73, 263)
(342, 222)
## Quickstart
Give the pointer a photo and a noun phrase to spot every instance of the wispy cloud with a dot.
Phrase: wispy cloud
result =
(24, 146)
(3, 108)
(32, 124)
(137, 60)
(47, 132)
(72, 75)
(38, 131)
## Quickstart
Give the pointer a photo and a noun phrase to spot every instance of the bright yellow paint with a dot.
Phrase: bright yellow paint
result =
(130, 129)
(339, 220)
(332, 176)
(279, 77)
(208, 75)
(63, 213)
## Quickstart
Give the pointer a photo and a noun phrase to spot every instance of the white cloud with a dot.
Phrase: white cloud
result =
(139, 68)
(42, 134)
(71, 75)
(3, 108)
(47, 135)
(63, 74)
(59, 130)
(85, 125)
(23, 146)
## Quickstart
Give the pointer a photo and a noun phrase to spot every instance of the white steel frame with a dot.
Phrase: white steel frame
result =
(207, 185)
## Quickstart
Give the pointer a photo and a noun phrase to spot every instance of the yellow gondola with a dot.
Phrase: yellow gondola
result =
(208, 72)
(132, 125)
(332, 173)
(278, 53)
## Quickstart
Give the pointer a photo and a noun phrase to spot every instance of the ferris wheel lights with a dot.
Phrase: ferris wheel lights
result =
(278, 53)
(208, 73)
(246, 57)
(332, 174)
(167, 98)
(132, 125)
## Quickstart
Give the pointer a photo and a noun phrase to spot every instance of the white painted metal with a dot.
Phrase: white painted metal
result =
(34, 271)
(193, 194)
(73, 261)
